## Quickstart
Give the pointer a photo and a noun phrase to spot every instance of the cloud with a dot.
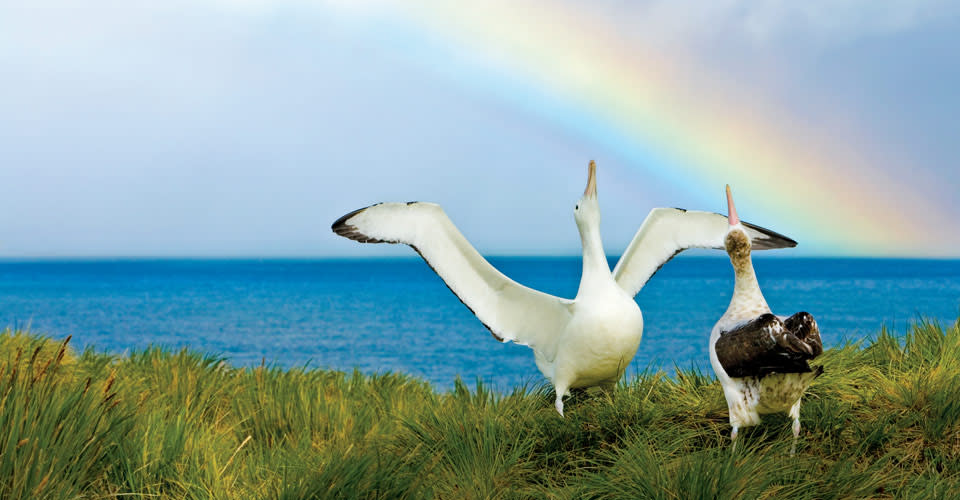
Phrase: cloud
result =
(224, 107)
(815, 24)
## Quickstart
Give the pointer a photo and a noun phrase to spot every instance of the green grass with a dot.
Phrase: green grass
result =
(882, 422)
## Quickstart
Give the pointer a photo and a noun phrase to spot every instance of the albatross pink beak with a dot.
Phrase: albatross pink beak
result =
(731, 209)
(591, 181)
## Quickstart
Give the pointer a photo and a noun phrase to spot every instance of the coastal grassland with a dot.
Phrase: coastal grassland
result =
(882, 422)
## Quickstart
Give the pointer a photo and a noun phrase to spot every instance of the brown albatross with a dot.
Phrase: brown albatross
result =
(761, 360)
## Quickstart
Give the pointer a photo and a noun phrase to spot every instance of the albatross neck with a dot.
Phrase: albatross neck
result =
(746, 288)
(596, 269)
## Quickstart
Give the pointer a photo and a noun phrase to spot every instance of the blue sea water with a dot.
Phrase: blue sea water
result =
(397, 315)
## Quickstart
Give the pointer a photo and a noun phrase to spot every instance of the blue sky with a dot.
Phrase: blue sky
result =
(220, 128)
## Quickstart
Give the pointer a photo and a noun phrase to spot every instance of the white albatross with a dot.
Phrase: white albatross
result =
(584, 342)
(760, 359)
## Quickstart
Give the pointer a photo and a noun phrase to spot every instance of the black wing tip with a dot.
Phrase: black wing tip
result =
(775, 239)
(349, 231)
(340, 223)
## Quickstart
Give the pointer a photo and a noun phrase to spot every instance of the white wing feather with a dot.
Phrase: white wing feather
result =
(509, 310)
(668, 231)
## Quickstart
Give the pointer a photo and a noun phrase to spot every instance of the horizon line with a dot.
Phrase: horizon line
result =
(764, 255)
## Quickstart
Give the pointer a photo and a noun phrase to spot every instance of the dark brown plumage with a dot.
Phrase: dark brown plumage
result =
(768, 344)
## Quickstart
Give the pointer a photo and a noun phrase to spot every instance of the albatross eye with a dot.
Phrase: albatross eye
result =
(577, 207)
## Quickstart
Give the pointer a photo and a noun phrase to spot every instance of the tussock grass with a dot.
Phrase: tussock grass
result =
(882, 422)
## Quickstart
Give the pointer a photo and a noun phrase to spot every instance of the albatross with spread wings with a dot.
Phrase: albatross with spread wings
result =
(583, 342)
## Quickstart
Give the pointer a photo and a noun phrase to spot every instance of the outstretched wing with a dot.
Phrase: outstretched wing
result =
(668, 231)
(509, 310)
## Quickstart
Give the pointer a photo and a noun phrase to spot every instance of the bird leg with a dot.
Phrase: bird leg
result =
(795, 415)
(796, 433)
(733, 437)
(560, 391)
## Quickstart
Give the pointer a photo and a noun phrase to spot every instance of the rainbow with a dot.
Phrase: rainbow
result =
(653, 113)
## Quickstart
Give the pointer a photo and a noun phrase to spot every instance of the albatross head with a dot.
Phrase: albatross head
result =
(587, 210)
(737, 241)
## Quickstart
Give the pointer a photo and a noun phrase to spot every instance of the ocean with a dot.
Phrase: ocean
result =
(383, 315)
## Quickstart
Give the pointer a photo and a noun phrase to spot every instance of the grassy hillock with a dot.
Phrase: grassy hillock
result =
(882, 422)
